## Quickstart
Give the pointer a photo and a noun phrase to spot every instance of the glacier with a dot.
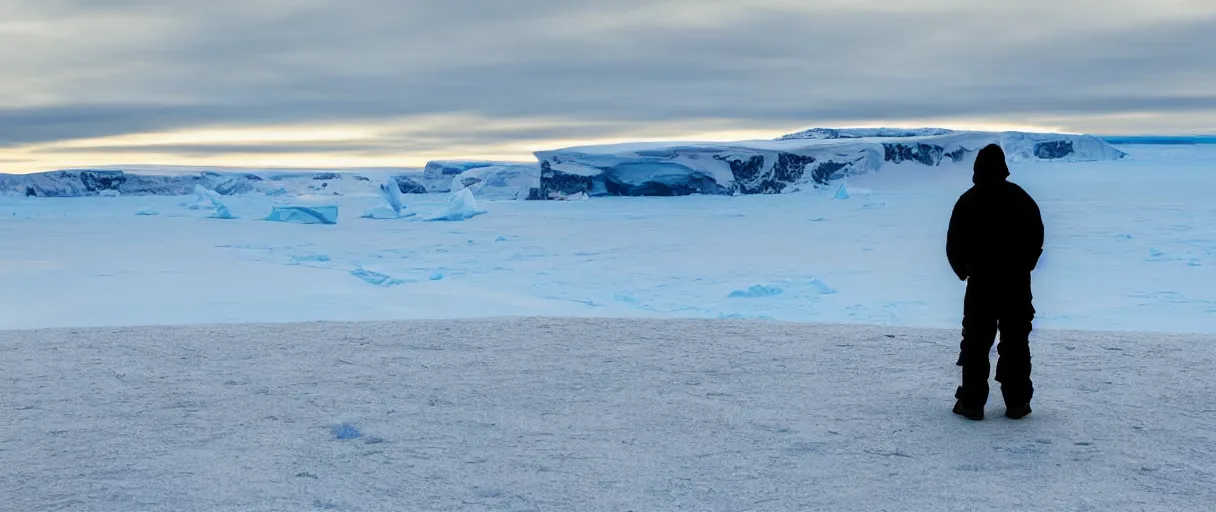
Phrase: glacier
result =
(815, 157)
(171, 181)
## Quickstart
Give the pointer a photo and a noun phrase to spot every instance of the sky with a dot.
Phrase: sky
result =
(394, 83)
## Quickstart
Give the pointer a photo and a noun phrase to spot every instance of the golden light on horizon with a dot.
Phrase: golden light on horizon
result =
(427, 135)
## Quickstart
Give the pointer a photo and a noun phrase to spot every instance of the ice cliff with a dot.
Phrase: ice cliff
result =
(814, 157)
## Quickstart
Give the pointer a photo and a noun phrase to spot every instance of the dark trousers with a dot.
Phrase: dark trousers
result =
(996, 302)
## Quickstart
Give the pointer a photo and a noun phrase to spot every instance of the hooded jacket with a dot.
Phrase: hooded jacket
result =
(996, 227)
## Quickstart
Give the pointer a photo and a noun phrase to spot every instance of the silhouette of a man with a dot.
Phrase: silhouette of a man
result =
(994, 241)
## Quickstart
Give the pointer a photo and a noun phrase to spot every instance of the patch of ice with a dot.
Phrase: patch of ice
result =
(461, 205)
(376, 278)
(345, 431)
(221, 212)
(842, 192)
(821, 287)
(741, 316)
(310, 258)
(147, 212)
(384, 213)
(756, 292)
(304, 214)
(626, 298)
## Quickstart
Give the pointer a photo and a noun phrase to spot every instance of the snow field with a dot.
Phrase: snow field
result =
(532, 414)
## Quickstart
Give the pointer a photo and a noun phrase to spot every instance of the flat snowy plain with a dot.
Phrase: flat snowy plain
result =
(534, 414)
(663, 387)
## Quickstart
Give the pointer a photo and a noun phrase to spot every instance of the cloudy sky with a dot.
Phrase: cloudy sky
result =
(328, 83)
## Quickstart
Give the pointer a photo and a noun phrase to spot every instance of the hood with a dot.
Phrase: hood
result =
(990, 166)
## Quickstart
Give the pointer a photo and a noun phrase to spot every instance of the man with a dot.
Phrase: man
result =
(994, 241)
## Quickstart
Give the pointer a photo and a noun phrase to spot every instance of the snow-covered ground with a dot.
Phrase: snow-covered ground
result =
(723, 411)
(1131, 245)
(592, 415)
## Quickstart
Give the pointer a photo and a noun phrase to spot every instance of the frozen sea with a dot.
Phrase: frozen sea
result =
(1131, 246)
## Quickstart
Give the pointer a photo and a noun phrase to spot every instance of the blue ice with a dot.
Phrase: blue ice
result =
(345, 431)
(375, 278)
(756, 292)
(821, 286)
(304, 214)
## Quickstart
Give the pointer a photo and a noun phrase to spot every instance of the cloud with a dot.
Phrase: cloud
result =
(90, 69)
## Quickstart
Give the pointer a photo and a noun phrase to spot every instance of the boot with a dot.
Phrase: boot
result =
(974, 414)
(1017, 412)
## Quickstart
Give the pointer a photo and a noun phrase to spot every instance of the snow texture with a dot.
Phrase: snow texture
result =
(814, 158)
(304, 214)
(461, 205)
(593, 415)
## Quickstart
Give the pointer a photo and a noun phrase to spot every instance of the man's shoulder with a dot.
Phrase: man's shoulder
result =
(1018, 190)
(970, 194)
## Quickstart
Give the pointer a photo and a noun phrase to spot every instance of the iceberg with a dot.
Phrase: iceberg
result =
(461, 205)
(437, 175)
(221, 212)
(506, 181)
(391, 194)
(205, 199)
(304, 214)
(817, 157)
